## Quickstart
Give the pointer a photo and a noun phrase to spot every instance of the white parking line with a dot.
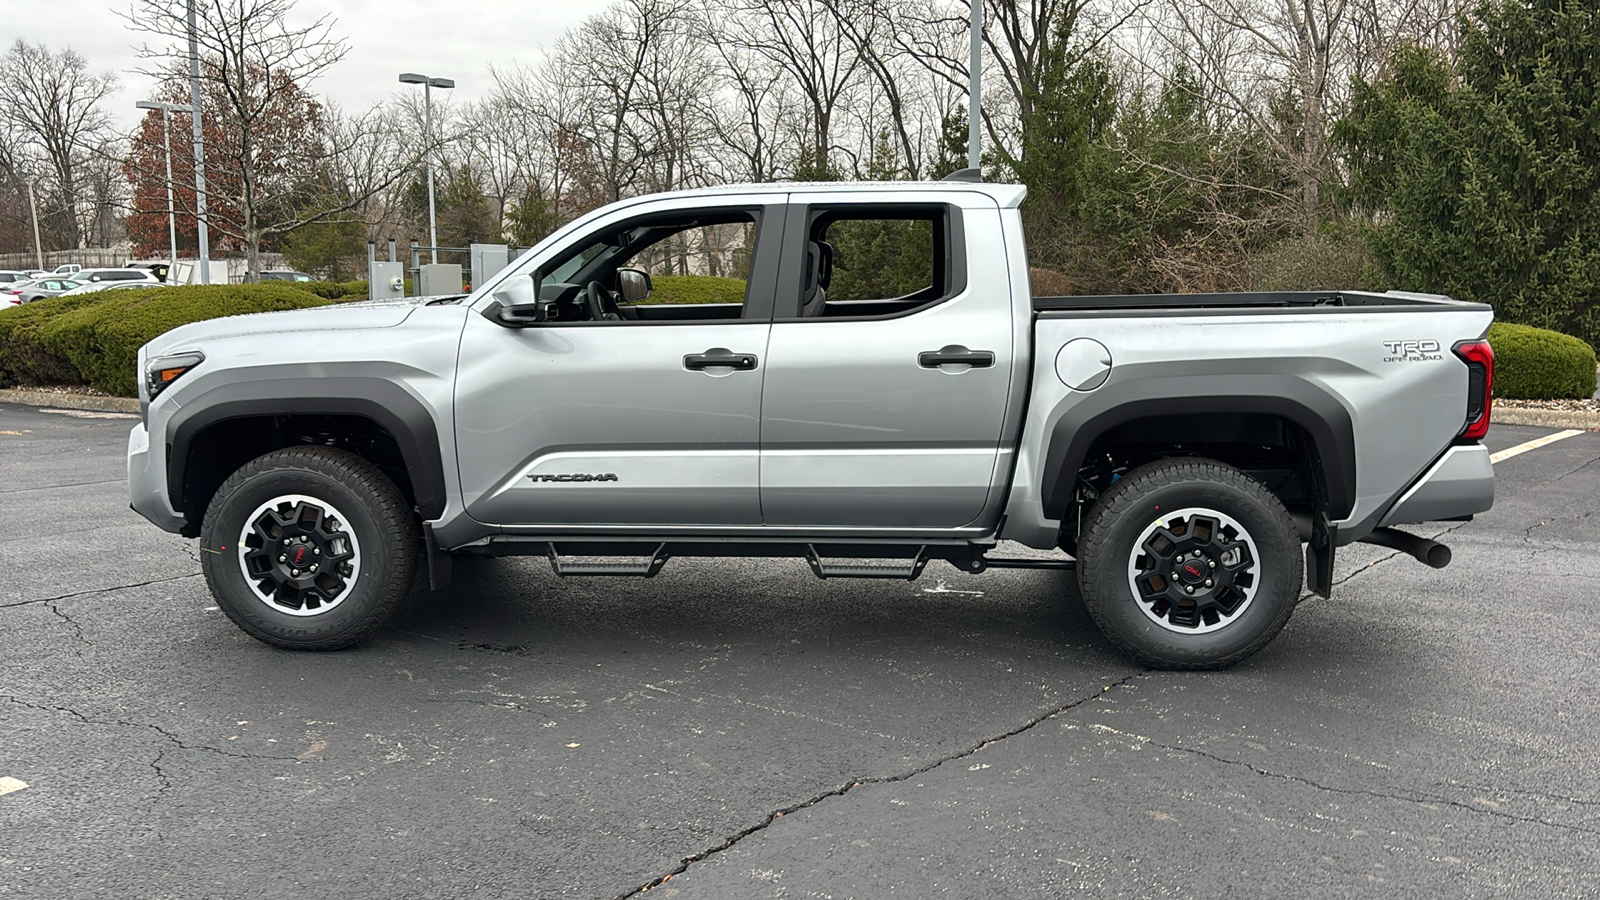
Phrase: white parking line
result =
(1534, 444)
(9, 784)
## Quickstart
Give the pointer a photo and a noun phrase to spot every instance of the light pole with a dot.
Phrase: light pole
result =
(974, 89)
(166, 140)
(38, 248)
(201, 232)
(428, 84)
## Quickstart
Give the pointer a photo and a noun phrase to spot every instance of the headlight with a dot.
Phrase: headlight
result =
(164, 370)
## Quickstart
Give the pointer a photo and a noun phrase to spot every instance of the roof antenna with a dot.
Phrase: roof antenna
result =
(972, 175)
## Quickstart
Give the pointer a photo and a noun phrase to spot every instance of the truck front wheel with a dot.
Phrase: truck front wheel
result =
(1189, 564)
(308, 548)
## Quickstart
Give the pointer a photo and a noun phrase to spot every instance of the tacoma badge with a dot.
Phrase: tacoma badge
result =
(606, 477)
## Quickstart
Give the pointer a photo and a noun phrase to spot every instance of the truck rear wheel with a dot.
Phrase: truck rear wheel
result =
(308, 548)
(1189, 564)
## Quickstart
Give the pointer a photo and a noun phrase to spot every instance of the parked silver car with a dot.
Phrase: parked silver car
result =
(29, 291)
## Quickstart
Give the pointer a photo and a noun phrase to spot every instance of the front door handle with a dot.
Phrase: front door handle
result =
(955, 354)
(717, 357)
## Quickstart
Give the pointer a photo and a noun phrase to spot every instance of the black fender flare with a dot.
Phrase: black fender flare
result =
(1313, 408)
(377, 399)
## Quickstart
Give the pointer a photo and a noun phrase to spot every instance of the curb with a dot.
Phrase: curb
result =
(63, 400)
(1546, 418)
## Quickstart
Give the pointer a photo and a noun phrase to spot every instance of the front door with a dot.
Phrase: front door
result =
(617, 414)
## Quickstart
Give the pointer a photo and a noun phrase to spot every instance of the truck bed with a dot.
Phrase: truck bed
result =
(1299, 300)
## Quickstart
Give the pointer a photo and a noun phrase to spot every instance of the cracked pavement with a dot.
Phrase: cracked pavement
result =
(739, 729)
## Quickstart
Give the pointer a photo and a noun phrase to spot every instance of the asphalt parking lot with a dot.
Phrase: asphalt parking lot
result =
(1423, 734)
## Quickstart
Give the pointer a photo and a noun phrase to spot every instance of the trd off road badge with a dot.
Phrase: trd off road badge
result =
(570, 478)
(1411, 351)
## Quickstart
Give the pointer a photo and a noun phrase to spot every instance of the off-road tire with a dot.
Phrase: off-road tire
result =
(378, 516)
(1108, 547)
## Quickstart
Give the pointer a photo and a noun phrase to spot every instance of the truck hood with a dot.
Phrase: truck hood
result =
(367, 314)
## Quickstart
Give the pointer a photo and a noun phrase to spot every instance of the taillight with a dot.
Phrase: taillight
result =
(1479, 357)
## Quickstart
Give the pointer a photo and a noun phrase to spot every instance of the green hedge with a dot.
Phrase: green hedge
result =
(695, 289)
(94, 339)
(1536, 364)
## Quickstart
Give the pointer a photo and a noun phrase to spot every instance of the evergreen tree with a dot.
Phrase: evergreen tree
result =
(1483, 181)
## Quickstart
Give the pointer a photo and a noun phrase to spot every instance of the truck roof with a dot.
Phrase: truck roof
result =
(1006, 196)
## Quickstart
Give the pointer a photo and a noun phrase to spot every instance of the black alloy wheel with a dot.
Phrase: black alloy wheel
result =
(1189, 563)
(309, 548)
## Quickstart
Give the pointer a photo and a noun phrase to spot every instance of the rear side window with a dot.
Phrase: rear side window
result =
(876, 261)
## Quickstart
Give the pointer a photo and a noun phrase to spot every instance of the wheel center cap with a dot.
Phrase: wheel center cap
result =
(1192, 571)
(300, 556)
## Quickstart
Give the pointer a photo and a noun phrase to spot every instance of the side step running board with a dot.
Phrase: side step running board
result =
(907, 572)
(566, 568)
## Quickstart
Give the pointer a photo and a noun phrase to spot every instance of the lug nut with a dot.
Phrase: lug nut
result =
(313, 567)
(1188, 590)
(1212, 563)
(318, 551)
(1208, 582)
(294, 571)
(286, 542)
(282, 558)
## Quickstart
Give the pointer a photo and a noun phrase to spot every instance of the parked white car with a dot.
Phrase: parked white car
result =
(96, 276)
(95, 287)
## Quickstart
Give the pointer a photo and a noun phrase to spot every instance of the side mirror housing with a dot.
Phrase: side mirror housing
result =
(634, 285)
(520, 305)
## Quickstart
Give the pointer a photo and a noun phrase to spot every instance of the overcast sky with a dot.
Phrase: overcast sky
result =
(448, 39)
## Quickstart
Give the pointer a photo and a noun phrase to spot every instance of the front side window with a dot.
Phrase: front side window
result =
(698, 264)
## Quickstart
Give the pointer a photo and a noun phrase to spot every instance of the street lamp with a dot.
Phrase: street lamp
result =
(166, 139)
(428, 84)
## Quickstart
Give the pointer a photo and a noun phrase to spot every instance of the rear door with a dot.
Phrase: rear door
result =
(647, 414)
(889, 366)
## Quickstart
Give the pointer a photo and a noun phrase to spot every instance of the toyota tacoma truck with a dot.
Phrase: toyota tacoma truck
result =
(857, 376)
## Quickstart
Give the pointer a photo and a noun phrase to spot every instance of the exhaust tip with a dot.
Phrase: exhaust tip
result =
(1437, 555)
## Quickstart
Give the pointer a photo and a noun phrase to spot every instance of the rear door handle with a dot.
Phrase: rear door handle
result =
(717, 357)
(955, 354)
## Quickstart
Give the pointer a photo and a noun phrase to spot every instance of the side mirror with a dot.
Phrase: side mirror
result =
(634, 285)
(520, 305)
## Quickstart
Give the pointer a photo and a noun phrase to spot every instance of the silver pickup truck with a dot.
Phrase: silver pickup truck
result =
(853, 375)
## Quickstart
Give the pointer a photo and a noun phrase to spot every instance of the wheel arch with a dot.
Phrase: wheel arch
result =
(1311, 410)
(237, 409)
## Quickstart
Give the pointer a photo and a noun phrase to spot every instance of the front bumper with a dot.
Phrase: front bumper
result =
(147, 482)
(1460, 484)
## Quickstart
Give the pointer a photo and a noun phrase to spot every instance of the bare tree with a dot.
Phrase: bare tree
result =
(266, 137)
(755, 105)
(1287, 82)
(51, 102)
(803, 38)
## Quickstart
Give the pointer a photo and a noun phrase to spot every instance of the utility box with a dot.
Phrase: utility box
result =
(487, 259)
(438, 279)
(385, 279)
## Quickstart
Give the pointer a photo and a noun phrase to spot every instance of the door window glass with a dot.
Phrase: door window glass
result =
(697, 265)
(878, 261)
